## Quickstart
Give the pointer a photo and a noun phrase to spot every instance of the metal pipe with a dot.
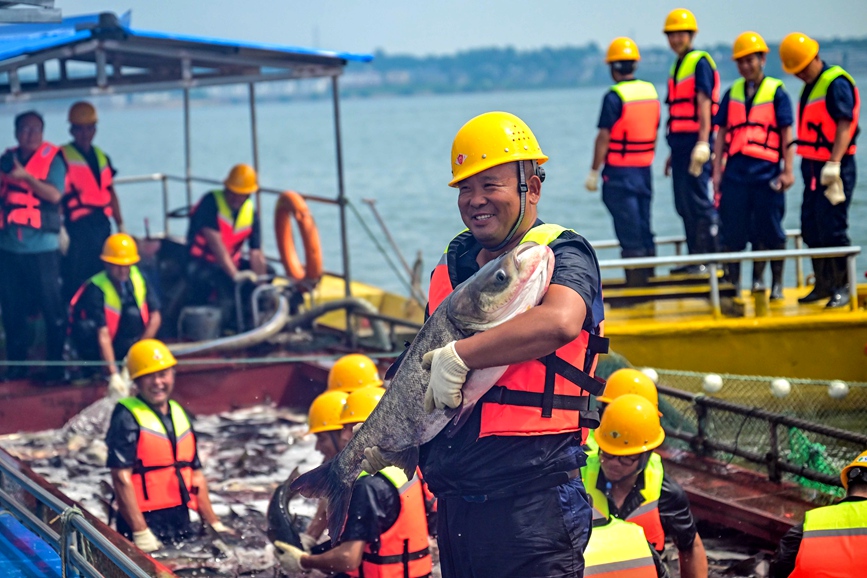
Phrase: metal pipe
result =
(704, 259)
(714, 291)
(341, 201)
(188, 170)
(851, 274)
(799, 262)
(165, 186)
(255, 138)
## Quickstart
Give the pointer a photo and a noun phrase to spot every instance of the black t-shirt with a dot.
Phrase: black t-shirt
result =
(783, 562)
(91, 306)
(467, 465)
(674, 513)
(205, 216)
(373, 508)
(123, 432)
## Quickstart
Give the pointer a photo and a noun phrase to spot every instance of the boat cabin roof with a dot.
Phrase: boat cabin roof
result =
(102, 54)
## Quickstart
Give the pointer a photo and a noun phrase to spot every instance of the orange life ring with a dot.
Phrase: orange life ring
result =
(290, 206)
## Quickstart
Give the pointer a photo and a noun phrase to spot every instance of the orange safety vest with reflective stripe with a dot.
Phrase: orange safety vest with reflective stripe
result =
(402, 550)
(682, 97)
(233, 230)
(834, 542)
(20, 205)
(647, 514)
(83, 194)
(816, 127)
(535, 397)
(111, 298)
(162, 473)
(618, 550)
(633, 136)
(756, 135)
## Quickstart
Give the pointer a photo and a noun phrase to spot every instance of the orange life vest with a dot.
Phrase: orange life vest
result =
(111, 298)
(647, 514)
(682, 97)
(535, 397)
(233, 230)
(756, 135)
(163, 471)
(402, 550)
(834, 542)
(83, 194)
(633, 136)
(816, 127)
(21, 206)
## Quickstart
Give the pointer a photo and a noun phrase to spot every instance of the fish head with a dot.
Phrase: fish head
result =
(504, 287)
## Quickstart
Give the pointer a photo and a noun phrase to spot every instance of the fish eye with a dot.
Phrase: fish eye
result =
(500, 275)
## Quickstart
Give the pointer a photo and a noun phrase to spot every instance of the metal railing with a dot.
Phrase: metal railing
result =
(71, 517)
(680, 240)
(706, 440)
(713, 261)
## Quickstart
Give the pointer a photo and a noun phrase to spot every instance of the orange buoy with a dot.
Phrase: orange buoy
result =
(291, 206)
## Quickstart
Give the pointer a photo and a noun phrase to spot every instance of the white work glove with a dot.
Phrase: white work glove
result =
(245, 275)
(448, 372)
(63, 241)
(373, 461)
(592, 182)
(700, 155)
(117, 385)
(307, 541)
(220, 528)
(289, 557)
(146, 541)
(830, 177)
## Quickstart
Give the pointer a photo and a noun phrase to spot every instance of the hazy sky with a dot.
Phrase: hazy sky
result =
(447, 26)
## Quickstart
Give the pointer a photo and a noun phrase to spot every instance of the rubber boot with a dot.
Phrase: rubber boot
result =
(777, 280)
(840, 289)
(636, 277)
(822, 288)
(758, 275)
(733, 274)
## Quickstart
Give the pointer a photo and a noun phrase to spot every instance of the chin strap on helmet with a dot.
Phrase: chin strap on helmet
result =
(522, 191)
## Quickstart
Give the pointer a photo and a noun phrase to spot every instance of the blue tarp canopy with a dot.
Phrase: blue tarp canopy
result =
(102, 54)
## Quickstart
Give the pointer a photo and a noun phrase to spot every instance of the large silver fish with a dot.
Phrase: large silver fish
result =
(502, 289)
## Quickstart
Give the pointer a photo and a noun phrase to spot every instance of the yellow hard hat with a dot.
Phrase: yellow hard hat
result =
(82, 113)
(492, 139)
(859, 462)
(352, 372)
(628, 380)
(747, 43)
(630, 425)
(797, 50)
(148, 356)
(360, 404)
(120, 249)
(680, 19)
(622, 48)
(324, 414)
(242, 180)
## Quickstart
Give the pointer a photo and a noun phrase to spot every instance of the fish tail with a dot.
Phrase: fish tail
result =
(323, 482)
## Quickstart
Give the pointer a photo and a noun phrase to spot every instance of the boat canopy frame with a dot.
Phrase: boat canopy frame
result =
(45, 61)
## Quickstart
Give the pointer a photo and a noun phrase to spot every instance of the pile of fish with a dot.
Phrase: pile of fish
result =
(246, 455)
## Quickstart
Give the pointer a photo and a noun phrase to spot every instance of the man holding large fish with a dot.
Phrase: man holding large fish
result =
(495, 386)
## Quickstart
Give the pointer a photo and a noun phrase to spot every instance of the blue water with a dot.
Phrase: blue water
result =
(395, 150)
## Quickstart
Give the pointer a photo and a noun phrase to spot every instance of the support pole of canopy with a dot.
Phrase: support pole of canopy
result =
(188, 169)
(341, 201)
(255, 137)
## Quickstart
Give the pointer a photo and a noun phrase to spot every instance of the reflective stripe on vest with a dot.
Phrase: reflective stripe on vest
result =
(111, 298)
(834, 542)
(402, 550)
(816, 127)
(633, 136)
(233, 230)
(618, 549)
(162, 473)
(682, 97)
(647, 514)
(755, 135)
(83, 194)
(20, 205)
(529, 398)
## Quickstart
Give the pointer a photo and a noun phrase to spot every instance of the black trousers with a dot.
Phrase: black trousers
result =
(30, 282)
(751, 212)
(694, 203)
(81, 262)
(824, 224)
